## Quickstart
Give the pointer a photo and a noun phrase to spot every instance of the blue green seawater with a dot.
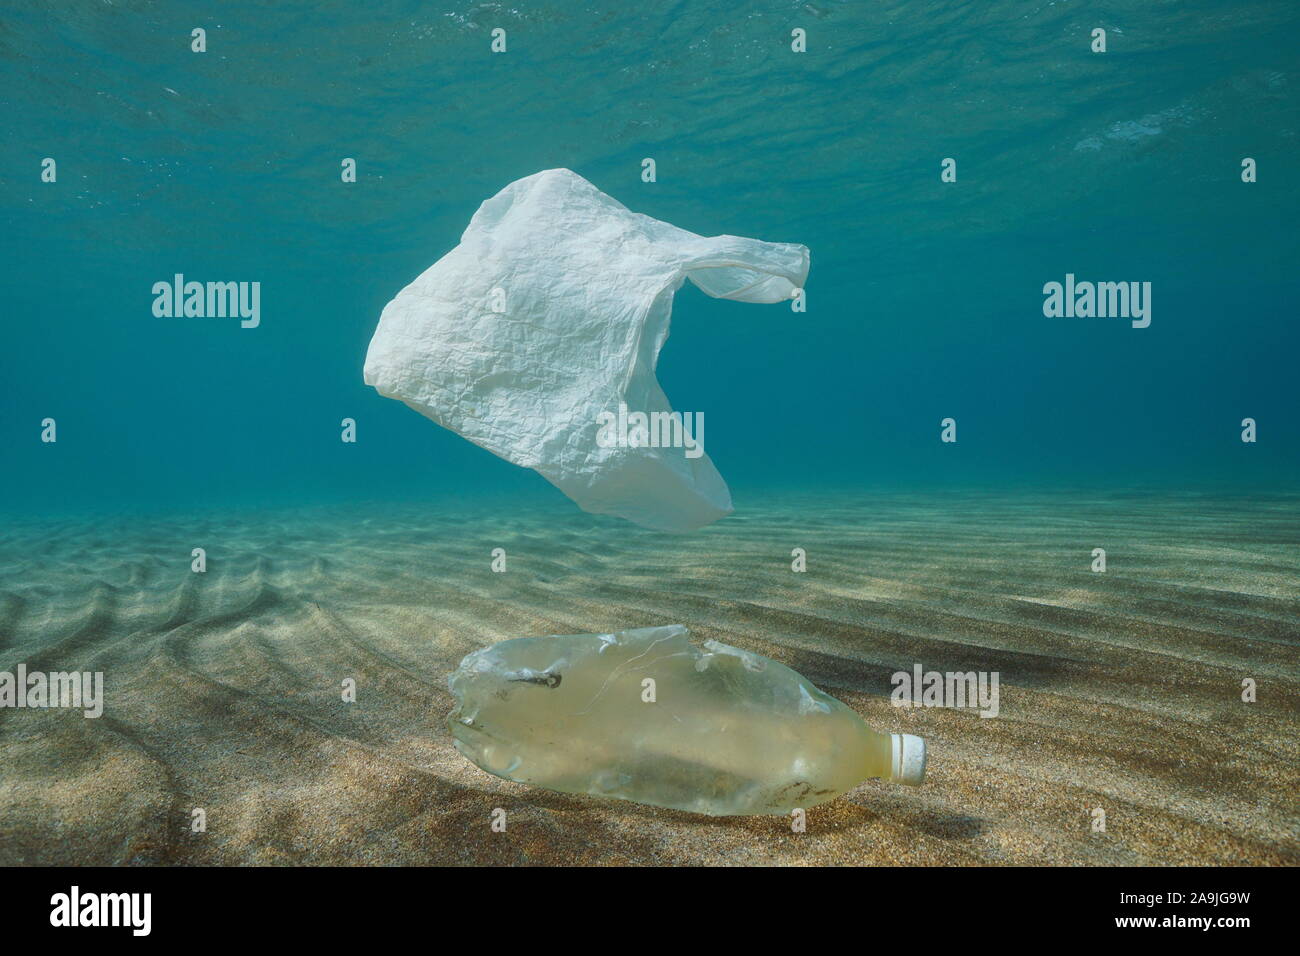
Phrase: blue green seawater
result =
(924, 299)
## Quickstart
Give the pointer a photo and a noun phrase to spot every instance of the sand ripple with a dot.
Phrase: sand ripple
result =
(1119, 690)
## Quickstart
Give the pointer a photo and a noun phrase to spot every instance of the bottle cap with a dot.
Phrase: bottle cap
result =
(909, 760)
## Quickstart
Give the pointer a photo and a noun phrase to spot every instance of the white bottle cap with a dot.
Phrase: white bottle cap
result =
(909, 760)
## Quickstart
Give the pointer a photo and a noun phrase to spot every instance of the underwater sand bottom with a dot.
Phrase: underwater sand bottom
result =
(1119, 691)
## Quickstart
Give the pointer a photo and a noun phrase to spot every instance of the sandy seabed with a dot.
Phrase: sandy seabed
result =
(1119, 691)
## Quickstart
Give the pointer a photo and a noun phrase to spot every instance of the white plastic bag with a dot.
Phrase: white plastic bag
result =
(552, 310)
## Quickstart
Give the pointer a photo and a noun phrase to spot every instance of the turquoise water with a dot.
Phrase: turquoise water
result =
(924, 299)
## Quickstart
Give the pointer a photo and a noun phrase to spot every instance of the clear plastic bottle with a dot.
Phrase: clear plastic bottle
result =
(647, 716)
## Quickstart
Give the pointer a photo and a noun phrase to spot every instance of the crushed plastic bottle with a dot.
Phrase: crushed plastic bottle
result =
(647, 716)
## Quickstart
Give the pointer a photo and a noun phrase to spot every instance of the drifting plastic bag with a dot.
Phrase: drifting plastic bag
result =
(547, 319)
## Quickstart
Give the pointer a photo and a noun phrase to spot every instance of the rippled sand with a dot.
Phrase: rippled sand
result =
(1118, 690)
